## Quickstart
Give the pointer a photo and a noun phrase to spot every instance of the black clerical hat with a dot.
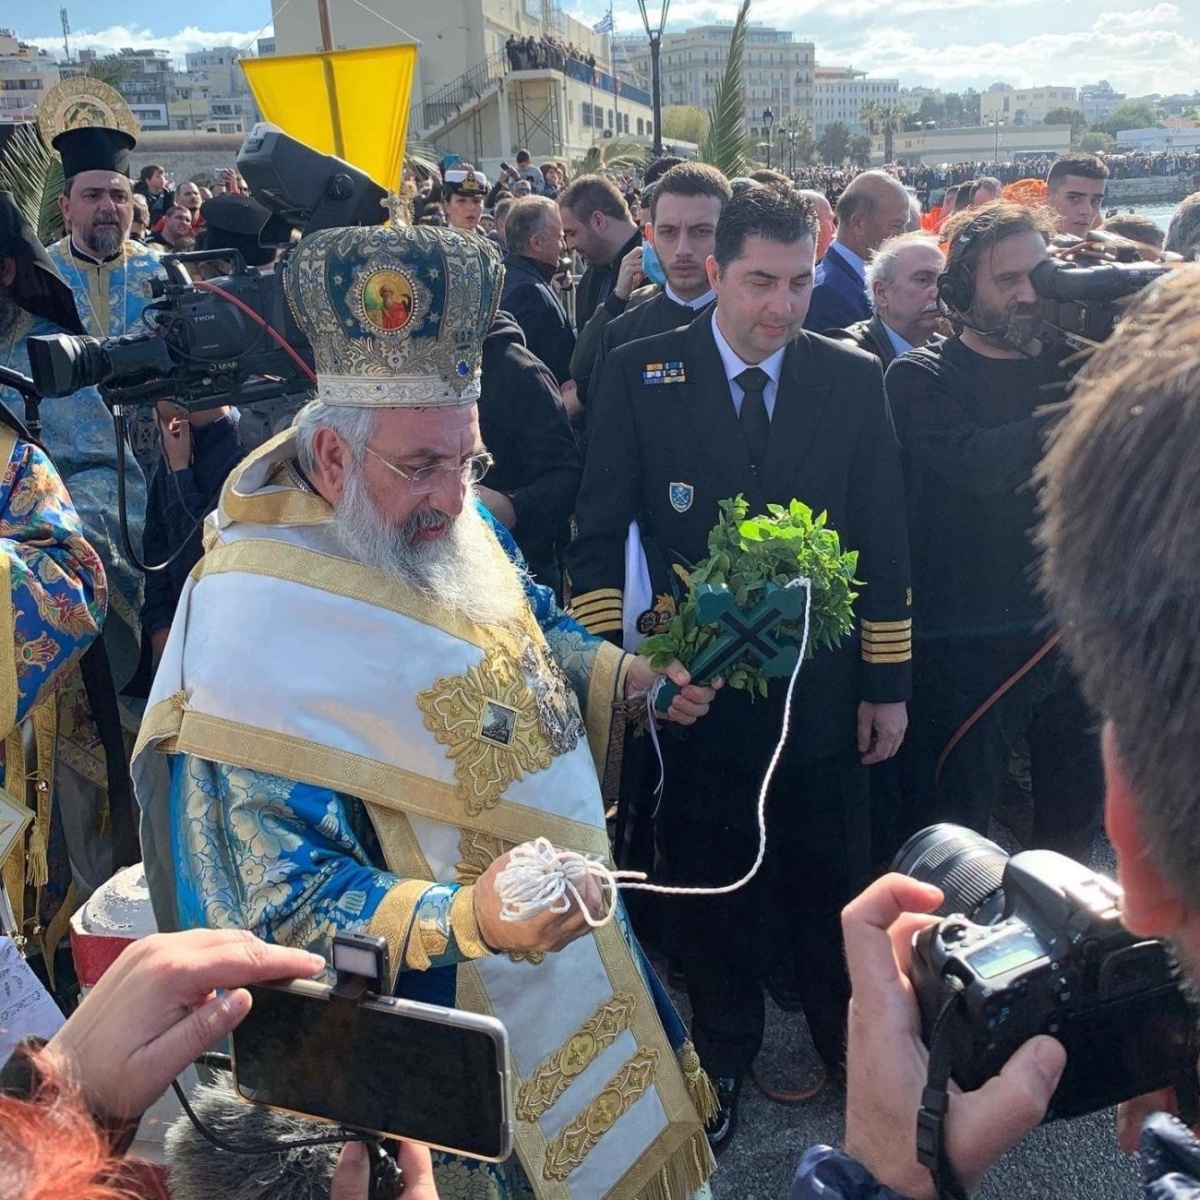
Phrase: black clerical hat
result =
(94, 148)
(38, 287)
(235, 222)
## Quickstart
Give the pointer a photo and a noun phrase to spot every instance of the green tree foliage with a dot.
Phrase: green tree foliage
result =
(1068, 116)
(726, 145)
(860, 150)
(834, 146)
(684, 122)
(34, 175)
(1096, 140)
(885, 119)
(1129, 114)
(747, 553)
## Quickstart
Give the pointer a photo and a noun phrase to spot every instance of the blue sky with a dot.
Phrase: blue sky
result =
(1138, 45)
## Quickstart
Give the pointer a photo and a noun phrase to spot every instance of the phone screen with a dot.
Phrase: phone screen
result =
(387, 1071)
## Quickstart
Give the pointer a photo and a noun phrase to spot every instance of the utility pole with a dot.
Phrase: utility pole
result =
(66, 28)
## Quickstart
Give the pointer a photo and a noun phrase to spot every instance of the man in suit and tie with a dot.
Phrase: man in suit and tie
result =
(873, 208)
(743, 401)
(902, 281)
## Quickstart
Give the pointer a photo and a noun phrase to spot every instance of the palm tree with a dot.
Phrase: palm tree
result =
(33, 174)
(612, 154)
(886, 119)
(111, 69)
(726, 145)
(796, 141)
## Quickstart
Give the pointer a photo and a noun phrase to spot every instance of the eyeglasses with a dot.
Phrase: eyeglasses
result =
(423, 480)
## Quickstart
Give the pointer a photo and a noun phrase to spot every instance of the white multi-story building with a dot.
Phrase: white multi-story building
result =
(1024, 106)
(146, 83)
(468, 98)
(26, 75)
(777, 70)
(212, 95)
(841, 94)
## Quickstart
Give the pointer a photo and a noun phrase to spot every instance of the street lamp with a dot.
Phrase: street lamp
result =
(996, 123)
(768, 117)
(655, 36)
(792, 153)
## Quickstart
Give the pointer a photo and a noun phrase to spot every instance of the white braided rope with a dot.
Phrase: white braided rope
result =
(539, 878)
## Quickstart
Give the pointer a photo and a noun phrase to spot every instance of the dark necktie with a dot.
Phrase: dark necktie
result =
(755, 423)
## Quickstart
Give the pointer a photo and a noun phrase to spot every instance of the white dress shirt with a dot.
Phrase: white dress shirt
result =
(695, 305)
(734, 366)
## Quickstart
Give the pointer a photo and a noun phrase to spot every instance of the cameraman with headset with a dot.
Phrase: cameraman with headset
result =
(970, 417)
(1121, 563)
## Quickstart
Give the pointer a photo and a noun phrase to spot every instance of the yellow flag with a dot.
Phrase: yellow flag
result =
(352, 103)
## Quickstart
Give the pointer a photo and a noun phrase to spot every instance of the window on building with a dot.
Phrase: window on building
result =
(585, 114)
(641, 127)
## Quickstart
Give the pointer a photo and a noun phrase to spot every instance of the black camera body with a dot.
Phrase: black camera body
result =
(204, 348)
(1091, 293)
(1041, 950)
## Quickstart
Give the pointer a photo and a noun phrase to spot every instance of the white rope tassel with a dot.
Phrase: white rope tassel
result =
(539, 878)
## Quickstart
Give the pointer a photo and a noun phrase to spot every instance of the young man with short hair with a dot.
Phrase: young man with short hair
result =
(1075, 188)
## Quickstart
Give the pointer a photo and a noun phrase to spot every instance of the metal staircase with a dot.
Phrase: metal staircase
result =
(456, 97)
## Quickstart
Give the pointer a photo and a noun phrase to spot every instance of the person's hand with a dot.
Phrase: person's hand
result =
(547, 931)
(352, 1175)
(880, 730)
(691, 702)
(176, 434)
(569, 392)
(887, 1063)
(629, 274)
(498, 504)
(157, 1008)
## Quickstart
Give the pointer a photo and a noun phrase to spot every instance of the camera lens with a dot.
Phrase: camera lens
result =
(964, 864)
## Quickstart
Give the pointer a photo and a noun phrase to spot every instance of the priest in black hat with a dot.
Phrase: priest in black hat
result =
(54, 592)
(107, 270)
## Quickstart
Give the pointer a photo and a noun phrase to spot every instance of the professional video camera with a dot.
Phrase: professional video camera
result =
(1093, 285)
(1034, 944)
(230, 340)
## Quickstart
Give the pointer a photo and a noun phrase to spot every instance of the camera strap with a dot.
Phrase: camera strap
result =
(935, 1101)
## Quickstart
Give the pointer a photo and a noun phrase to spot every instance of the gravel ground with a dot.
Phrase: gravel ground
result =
(1078, 1158)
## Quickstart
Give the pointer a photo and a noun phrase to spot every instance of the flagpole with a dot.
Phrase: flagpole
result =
(612, 71)
(335, 116)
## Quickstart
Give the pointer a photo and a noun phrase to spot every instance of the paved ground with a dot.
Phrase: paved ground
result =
(1074, 1159)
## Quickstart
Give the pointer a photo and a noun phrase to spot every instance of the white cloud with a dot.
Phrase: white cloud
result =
(118, 37)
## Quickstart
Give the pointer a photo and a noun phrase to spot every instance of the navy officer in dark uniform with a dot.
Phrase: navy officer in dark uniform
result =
(743, 400)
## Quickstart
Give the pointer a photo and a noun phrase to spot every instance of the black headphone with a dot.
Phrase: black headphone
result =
(956, 284)
(956, 288)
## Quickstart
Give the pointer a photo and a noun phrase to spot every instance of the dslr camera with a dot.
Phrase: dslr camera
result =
(1036, 944)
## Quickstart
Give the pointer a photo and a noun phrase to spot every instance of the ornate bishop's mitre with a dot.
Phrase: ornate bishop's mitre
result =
(396, 315)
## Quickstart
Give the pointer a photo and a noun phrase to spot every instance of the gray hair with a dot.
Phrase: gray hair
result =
(1183, 234)
(882, 266)
(354, 425)
(526, 219)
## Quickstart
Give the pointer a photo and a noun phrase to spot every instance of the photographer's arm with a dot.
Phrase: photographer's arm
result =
(887, 1063)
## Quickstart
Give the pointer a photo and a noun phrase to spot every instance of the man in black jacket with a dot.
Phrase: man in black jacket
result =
(684, 209)
(597, 223)
(971, 416)
(533, 234)
(742, 401)
(532, 485)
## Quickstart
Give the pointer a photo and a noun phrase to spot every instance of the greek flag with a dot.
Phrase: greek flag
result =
(605, 24)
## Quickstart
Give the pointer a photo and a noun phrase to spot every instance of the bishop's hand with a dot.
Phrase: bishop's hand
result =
(693, 700)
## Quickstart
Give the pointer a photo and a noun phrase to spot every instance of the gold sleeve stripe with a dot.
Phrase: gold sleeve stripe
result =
(885, 626)
(886, 639)
(613, 625)
(595, 606)
(597, 594)
(464, 925)
(897, 656)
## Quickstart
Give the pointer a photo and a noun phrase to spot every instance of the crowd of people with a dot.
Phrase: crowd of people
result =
(546, 53)
(517, 445)
(929, 181)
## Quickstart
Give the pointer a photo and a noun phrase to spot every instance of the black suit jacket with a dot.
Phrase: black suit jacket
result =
(832, 446)
(870, 336)
(543, 320)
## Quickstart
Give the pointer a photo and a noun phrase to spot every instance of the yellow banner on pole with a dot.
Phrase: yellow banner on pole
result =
(352, 103)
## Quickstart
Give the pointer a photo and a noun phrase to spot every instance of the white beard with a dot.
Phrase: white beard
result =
(460, 571)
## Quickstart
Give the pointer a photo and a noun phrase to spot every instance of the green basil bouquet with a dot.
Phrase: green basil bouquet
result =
(746, 554)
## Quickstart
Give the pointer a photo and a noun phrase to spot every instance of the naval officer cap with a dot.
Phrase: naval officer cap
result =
(94, 148)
